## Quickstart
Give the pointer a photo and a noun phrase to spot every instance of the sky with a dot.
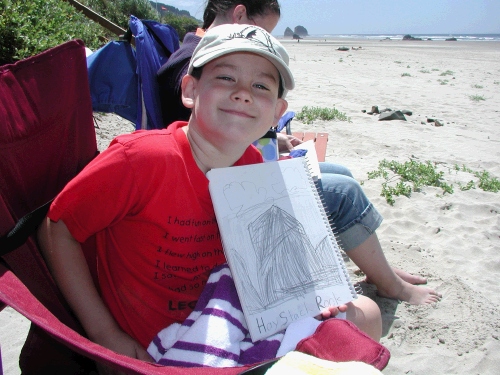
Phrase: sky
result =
(319, 17)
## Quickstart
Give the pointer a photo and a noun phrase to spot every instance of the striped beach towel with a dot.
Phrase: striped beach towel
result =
(215, 334)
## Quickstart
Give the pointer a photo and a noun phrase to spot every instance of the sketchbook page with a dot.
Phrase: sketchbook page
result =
(279, 246)
(312, 158)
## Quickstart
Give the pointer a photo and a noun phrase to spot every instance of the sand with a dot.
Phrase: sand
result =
(452, 239)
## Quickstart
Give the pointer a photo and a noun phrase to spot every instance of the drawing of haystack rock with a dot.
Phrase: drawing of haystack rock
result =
(287, 265)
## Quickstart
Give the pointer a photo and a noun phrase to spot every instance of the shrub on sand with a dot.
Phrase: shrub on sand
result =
(310, 114)
(476, 98)
(412, 176)
(447, 73)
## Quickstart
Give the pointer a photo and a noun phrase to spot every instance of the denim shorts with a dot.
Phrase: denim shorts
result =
(352, 215)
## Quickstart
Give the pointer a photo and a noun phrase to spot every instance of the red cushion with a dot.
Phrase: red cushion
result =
(341, 341)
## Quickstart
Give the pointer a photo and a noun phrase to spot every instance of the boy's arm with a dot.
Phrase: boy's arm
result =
(67, 263)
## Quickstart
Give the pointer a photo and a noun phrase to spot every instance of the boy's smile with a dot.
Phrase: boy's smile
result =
(235, 101)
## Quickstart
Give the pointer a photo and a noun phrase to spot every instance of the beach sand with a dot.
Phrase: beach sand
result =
(452, 239)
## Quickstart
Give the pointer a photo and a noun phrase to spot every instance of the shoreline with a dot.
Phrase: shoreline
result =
(460, 37)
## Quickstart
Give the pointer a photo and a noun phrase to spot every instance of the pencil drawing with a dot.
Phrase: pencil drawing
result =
(287, 264)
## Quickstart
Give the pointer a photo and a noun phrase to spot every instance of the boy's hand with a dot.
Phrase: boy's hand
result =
(286, 142)
(121, 343)
(331, 312)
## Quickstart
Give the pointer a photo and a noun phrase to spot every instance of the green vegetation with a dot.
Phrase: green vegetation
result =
(496, 82)
(341, 60)
(447, 73)
(424, 71)
(435, 70)
(118, 11)
(406, 75)
(412, 176)
(443, 81)
(476, 86)
(310, 114)
(476, 98)
(485, 181)
(405, 178)
(30, 27)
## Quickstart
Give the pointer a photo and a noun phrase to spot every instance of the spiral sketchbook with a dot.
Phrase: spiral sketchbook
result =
(278, 243)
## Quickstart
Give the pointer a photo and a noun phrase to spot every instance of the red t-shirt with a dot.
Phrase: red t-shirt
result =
(149, 206)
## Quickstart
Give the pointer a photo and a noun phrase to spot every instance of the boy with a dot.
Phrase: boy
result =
(146, 198)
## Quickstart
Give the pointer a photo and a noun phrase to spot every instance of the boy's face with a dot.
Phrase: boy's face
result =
(235, 100)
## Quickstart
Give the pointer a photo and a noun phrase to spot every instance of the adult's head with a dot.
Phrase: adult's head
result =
(263, 13)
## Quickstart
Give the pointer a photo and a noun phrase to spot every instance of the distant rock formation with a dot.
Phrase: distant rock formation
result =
(393, 115)
(288, 32)
(409, 37)
(297, 36)
(301, 30)
(451, 39)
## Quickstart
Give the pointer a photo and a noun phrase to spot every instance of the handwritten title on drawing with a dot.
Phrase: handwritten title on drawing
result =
(279, 318)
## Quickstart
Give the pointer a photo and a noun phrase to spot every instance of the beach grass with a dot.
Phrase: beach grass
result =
(405, 178)
(447, 73)
(486, 181)
(412, 176)
(476, 98)
(309, 114)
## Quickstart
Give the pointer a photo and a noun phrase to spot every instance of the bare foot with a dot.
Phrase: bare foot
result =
(414, 295)
(410, 278)
(405, 276)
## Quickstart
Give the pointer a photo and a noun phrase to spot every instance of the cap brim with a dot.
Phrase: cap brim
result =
(284, 71)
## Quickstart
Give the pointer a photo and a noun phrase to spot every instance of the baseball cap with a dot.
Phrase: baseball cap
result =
(229, 38)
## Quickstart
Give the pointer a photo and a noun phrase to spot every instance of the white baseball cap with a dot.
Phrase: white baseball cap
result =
(229, 38)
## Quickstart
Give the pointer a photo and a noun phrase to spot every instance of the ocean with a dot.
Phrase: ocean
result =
(459, 37)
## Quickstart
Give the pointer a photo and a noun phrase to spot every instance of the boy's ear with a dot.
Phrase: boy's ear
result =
(281, 106)
(188, 86)
(239, 14)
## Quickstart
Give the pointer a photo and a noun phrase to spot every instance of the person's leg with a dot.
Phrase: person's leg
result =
(370, 259)
(365, 313)
(331, 168)
(355, 220)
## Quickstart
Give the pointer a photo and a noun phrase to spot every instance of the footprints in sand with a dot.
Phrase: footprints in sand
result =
(469, 315)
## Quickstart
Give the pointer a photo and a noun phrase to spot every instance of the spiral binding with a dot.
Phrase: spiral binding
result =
(318, 192)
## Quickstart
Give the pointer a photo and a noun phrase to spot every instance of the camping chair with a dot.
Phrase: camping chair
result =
(320, 139)
(47, 137)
